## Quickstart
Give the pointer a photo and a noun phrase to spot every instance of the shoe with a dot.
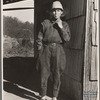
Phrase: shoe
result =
(54, 98)
(43, 98)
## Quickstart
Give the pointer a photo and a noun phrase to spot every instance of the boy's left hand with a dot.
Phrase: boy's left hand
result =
(59, 23)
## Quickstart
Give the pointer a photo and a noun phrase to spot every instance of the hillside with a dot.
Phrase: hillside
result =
(18, 38)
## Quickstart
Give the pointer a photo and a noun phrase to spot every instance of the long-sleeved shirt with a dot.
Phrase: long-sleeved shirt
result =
(50, 33)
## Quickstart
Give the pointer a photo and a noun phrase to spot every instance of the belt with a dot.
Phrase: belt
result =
(53, 44)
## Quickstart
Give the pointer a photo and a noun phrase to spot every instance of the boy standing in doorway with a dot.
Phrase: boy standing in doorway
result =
(53, 34)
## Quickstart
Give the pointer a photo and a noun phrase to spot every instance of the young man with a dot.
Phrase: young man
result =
(53, 34)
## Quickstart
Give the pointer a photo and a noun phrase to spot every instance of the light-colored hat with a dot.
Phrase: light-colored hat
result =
(57, 4)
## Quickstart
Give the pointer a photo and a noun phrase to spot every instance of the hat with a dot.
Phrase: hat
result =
(57, 5)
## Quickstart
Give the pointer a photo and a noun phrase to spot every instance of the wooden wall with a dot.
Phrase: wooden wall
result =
(90, 83)
(72, 79)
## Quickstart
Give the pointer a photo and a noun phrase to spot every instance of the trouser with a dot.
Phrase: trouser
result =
(52, 60)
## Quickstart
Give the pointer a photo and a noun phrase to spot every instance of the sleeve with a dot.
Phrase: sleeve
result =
(65, 32)
(39, 38)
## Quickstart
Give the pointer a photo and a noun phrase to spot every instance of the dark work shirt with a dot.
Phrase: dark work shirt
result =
(49, 32)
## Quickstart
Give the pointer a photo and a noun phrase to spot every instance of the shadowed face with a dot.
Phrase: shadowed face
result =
(57, 13)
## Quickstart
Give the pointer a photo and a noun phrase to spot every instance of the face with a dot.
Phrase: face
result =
(57, 13)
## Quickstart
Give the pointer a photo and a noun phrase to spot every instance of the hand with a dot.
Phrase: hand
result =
(59, 23)
(39, 45)
(39, 48)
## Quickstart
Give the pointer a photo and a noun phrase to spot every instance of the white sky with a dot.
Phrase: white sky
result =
(23, 15)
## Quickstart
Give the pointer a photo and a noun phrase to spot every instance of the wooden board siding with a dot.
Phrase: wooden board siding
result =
(72, 79)
(72, 76)
(94, 29)
(94, 64)
(72, 87)
(74, 64)
(94, 50)
(90, 88)
(75, 7)
(77, 32)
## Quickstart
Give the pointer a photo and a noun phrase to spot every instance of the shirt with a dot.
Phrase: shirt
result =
(50, 33)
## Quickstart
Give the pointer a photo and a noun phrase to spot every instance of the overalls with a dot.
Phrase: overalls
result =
(52, 58)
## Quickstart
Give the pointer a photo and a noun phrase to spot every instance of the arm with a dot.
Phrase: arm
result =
(39, 39)
(64, 30)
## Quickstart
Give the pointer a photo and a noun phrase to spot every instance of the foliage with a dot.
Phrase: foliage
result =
(18, 38)
(17, 29)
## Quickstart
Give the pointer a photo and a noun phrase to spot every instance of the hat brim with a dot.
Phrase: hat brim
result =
(53, 9)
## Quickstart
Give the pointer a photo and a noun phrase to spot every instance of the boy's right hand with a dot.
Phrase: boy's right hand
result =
(39, 48)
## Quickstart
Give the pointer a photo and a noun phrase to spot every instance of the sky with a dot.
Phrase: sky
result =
(22, 15)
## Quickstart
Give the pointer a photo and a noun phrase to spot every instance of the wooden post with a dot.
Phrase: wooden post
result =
(90, 88)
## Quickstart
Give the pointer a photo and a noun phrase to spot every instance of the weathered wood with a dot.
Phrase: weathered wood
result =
(90, 88)
(77, 32)
(74, 65)
(72, 88)
(95, 6)
(77, 8)
(93, 71)
(94, 28)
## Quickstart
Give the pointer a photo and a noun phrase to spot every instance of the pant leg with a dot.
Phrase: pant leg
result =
(44, 80)
(45, 70)
(56, 84)
(60, 60)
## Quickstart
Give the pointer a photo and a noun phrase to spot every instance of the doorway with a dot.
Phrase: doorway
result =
(72, 79)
